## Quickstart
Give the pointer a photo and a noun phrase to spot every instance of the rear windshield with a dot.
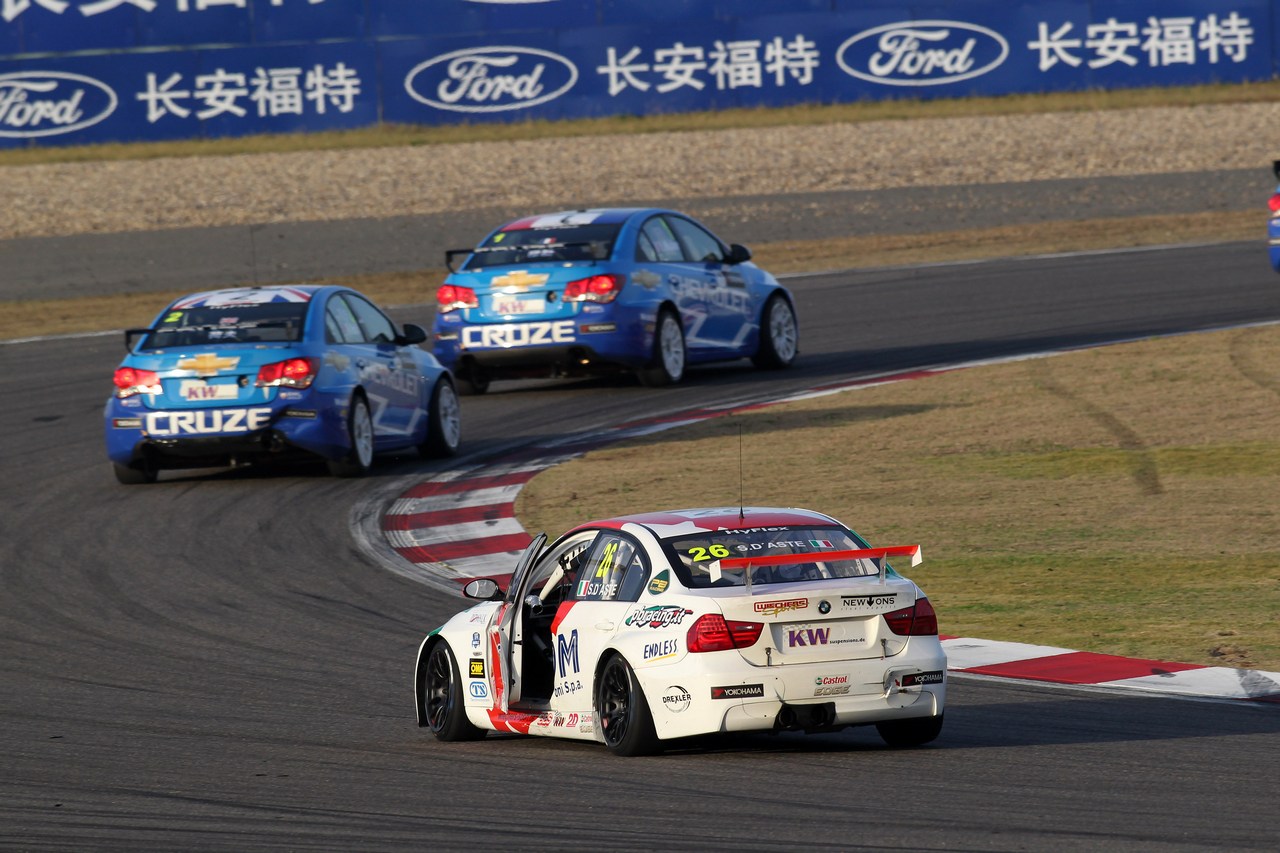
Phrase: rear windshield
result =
(565, 243)
(262, 322)
(692, 555)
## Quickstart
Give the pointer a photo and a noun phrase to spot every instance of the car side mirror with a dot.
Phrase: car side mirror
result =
(483, 589)
(738, 254)
(413, 334)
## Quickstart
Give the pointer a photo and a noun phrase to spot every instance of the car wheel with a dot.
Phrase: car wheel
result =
(359, 458)
(668, 353)
(779, 335)
(623, 712)
(442, 697)
(444, 422)
(145, 472)
(474, 382)
(914, 732)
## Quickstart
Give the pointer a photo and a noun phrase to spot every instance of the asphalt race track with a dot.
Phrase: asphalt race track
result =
(210, 662)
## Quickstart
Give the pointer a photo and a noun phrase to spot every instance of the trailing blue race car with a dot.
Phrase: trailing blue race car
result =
(246, 374)
(592, 291)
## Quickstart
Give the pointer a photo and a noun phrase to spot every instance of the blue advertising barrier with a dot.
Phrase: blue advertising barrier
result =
(88, 71)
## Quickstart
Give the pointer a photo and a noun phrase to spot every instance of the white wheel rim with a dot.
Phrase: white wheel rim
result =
(782, 331)
(362, 434)
(672, 345)
(450, 415)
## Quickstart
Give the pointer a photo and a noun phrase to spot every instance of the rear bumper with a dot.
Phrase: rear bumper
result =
(192, 438)
(588, 343)
(743, 697)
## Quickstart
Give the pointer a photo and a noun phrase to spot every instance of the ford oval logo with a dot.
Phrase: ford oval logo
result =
(922, 53)
(47, 103)
(491, 79)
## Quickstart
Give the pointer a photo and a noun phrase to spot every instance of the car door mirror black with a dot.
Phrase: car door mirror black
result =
(738, 254)
(413, 334)
(483, 589)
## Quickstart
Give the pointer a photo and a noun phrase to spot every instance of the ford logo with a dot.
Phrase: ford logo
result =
(47, 103)
(922, 53)
(491, 79)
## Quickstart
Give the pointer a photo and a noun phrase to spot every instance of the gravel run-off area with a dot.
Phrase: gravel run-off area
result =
(113, 196)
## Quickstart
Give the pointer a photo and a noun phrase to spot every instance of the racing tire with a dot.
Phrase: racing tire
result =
(907, 733)
(444, 422)
(779, 335)
(442, 697)
(473, 382)
(667, 367)
(625, 720)
(359, 458)
(145, 472)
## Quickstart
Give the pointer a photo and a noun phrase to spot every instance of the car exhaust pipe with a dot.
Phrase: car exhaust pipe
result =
(805, 717)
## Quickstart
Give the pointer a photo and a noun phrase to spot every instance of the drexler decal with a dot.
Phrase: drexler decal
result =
(675, 699)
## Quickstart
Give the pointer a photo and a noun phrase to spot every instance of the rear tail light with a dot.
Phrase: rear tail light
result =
(451, 297)
(713, 633)
(1274, 204)
(290, 373)
(918, 620)
(597, 288)
(131, 380)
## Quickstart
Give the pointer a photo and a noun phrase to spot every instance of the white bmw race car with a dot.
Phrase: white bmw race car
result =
(641, 629)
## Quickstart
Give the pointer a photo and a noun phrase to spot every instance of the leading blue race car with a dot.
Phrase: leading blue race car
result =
(249, 374)
(592, 291)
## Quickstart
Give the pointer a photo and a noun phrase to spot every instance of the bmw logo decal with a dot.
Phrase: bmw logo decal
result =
(824, 606)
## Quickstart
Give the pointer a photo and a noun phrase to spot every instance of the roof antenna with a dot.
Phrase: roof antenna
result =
(742, 516)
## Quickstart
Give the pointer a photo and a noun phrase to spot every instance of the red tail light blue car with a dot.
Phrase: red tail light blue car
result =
(247, 374)
(593, 291)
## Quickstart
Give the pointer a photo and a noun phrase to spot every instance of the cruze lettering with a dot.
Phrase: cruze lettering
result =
(207, 421)
(518, 335)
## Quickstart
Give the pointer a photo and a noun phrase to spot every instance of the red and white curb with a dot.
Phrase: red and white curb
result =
(461, 525)
(1066, 666)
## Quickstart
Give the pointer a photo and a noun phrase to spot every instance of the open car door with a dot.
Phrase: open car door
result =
(502, 638)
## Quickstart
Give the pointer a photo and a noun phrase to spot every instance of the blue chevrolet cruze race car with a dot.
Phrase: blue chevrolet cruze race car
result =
(592, 291)
(250, 374)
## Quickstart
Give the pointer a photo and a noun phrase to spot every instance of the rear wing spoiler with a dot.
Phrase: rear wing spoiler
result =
(598, 249)
(879, 555)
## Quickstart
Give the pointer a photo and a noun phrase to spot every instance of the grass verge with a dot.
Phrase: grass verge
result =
(1051, 508)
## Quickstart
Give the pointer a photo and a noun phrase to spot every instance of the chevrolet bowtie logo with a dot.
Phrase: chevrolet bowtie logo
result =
(520, 280)
(207, 364)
